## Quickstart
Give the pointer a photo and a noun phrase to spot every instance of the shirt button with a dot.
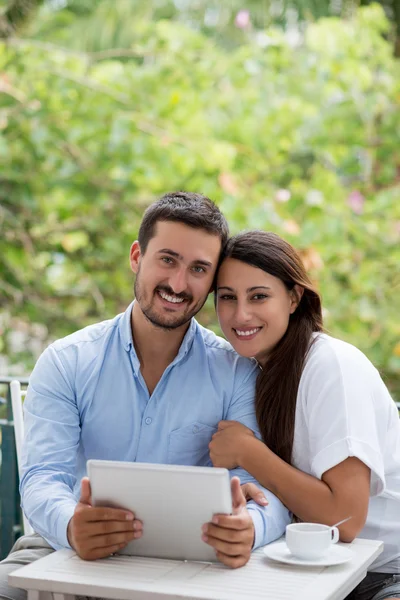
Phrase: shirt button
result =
(148, 421)
(195, 429)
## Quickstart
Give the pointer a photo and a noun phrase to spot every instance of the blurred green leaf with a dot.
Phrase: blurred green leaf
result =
(301, 139)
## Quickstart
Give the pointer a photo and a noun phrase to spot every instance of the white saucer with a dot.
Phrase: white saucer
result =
(336, 555)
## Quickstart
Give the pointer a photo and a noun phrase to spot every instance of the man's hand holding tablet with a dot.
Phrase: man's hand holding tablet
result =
(232, 536)
(97, 532)
(183, 511)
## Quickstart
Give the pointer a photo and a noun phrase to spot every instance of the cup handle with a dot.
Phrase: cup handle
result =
(335, 534)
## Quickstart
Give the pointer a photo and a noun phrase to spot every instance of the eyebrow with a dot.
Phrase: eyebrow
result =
(170, 252)
(174, 254)
(251, 289)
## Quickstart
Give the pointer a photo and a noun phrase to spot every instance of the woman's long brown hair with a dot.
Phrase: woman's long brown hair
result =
(278, 381)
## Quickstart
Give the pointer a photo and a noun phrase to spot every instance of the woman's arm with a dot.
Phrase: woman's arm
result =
(343, 491)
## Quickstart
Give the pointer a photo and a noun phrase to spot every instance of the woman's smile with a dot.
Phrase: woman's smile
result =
(246, 333)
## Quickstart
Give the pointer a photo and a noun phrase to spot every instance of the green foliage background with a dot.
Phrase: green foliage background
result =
(299, 138)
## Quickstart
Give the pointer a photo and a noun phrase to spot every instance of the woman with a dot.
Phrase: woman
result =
(330, 431)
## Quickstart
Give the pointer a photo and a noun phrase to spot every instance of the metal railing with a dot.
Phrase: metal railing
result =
(10, 512)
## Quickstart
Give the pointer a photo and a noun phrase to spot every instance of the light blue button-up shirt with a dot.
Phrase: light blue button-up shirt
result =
(87, 399)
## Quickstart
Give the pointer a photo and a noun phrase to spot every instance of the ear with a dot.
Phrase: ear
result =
(295, 294)
(134, 256)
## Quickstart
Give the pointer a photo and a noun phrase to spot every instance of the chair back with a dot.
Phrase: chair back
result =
(17, 396)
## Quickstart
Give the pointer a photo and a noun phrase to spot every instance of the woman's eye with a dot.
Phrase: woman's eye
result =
(259, 296)
(226, 297)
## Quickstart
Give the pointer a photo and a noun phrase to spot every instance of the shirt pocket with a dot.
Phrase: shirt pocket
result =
(189, 445)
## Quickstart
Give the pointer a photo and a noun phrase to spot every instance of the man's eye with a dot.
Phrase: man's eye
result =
(199, 269)
(167, 259)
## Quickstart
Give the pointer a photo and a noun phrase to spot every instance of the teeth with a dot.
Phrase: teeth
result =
(173, 299)
(248, 332)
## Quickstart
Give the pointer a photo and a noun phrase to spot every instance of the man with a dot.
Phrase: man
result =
(149, 385)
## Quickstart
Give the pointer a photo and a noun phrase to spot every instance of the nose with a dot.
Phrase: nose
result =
(178, 280)
(242, 313)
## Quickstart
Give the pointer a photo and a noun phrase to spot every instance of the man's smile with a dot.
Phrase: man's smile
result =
(174, 299)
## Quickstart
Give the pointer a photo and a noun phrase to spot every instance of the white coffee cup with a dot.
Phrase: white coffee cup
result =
(310, 540)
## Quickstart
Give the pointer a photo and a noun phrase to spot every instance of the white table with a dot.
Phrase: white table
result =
(134, 578)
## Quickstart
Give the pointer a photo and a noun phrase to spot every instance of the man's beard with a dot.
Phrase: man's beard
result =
(162, 321)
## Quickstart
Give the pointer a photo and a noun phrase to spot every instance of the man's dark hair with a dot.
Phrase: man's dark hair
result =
(189, 208)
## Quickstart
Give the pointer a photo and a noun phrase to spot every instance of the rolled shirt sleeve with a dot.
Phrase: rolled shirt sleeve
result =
(269, 521)
(337, 396)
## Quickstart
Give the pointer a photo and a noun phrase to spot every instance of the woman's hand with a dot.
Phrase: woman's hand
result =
(252, 492)
(226, 444)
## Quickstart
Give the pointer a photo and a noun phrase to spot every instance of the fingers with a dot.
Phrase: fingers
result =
(235, 522)
(107, 527)
(99, 539)
(225, 424)
(84, 528)
(238, 499)
(114, 539)
(93, 531)
(228, 541)
(110, 545)
(227, 548)
(96, 532)
(232, 538)
(233, 561)
(102, 552)
(252, 492)
(232, 547)
(85, 491)
(102, 513)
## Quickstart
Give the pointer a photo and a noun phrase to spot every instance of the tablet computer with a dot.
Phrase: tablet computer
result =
(173, 502)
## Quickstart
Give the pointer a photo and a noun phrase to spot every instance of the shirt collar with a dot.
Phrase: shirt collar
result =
(126, 329)
(127, 341)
